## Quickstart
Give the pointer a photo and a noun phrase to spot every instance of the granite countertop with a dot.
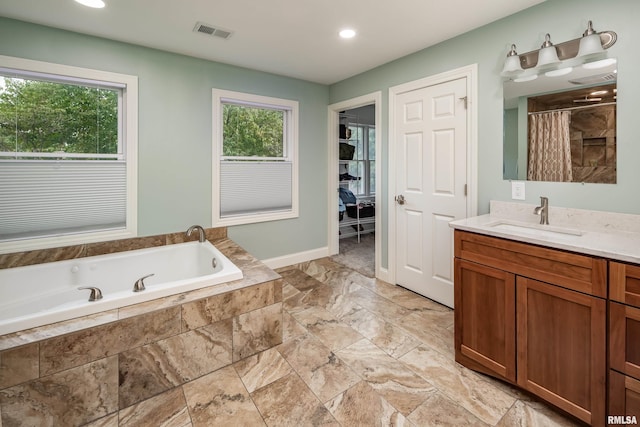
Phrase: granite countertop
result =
(603, 234)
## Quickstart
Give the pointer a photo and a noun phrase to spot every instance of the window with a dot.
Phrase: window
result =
(68, 143)
(363, 165)
(255, 171)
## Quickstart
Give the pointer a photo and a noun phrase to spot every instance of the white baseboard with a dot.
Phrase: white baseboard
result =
(310, 255)
(383, 274)
(290, 259)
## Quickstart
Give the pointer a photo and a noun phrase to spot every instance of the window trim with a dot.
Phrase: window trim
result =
(290, 153)
(129, 134)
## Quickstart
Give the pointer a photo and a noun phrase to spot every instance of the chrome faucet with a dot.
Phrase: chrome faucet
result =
(543, 210)
(202, 237)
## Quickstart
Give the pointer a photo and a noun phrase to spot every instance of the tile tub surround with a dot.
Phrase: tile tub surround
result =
(80, 370)
(604, 234)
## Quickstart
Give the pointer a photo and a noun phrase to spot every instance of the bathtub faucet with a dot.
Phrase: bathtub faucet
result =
(95, 294)
(200, 230)
(139, 285)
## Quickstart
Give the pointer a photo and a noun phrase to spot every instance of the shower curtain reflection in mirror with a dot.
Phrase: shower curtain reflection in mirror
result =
(550, 146)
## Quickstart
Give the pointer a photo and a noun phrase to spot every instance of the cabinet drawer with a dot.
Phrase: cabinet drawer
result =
(624, 283)
(624, 396)
(581, 273)
(624, 339)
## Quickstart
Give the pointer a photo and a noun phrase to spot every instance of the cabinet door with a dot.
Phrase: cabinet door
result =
(624, 339)
(485, 319)
(624, 283)
(562, 348)
(624, 396)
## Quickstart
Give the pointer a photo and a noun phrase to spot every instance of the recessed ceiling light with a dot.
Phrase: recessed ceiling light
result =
(97, 4)
(599, 64)
(347, 33)
(559, 72)
(525, 78)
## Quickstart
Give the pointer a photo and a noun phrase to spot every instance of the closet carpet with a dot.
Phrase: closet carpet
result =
(358, 256)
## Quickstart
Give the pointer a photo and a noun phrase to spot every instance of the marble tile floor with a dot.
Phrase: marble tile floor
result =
(356, 352)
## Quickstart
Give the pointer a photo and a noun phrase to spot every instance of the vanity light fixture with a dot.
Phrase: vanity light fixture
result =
(573, 53)
(96, 4)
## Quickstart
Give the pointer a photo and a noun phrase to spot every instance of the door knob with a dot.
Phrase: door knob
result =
(400, 199)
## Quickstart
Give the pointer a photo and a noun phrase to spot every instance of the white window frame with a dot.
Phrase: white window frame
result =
(290, 154)
(129, 137)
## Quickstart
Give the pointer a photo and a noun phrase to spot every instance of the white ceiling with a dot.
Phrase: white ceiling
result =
(296, 38)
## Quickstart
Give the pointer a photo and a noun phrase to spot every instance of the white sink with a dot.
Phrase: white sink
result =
(534, 230)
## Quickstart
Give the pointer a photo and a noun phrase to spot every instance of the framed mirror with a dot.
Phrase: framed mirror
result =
(562, 127)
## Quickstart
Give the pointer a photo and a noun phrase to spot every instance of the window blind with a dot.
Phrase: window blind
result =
(255, 187)
(44, 198)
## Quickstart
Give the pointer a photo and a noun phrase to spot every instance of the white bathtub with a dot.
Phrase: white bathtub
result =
(41, 294)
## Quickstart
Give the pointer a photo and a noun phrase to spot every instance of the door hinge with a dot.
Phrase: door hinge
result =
(465, 101)
(465, 189)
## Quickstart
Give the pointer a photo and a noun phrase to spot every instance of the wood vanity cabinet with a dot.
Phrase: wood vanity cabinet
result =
(624, 339)
(535, 317)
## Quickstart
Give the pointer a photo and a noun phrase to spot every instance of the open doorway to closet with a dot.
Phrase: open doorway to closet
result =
(355, 213)
(357, 189)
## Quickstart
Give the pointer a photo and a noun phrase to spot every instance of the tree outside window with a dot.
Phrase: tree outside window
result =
(48, 117)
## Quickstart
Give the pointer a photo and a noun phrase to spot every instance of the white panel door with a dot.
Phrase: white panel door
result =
(431, 177)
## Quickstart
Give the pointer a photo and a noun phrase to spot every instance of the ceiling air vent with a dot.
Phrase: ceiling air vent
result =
(600, 78)
(212, 31)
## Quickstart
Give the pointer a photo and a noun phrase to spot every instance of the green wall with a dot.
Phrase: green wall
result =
(174, 187)
(488, 46)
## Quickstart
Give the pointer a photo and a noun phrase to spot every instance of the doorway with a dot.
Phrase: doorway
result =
(354, 183)
(432, 169)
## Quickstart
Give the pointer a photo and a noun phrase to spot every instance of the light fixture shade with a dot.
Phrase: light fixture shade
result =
(590, 45)
(547, 55)
(512, 63)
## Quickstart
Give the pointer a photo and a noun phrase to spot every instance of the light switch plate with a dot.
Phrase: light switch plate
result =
(517, 190)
